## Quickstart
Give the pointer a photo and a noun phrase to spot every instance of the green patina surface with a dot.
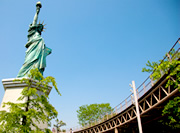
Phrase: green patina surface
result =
(37, 51)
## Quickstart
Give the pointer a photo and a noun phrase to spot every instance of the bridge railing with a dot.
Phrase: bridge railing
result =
(141, 90)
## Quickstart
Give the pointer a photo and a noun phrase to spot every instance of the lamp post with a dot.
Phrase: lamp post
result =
(137, 107)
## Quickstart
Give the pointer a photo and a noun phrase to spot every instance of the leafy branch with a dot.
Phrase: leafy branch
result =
(32, 108)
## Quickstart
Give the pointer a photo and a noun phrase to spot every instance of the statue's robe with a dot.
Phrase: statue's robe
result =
(35, 55)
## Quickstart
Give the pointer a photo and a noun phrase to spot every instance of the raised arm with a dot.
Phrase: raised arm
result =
(38, 6)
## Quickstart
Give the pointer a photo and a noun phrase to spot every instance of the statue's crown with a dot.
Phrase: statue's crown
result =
(38, 27)
(43, 25)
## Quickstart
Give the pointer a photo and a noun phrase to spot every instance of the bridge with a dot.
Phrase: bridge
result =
(152, 97)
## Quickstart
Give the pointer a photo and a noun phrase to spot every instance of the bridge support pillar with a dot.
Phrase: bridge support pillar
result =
(116, 130)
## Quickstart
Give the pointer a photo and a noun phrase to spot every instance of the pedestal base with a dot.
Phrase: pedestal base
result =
(13, 91)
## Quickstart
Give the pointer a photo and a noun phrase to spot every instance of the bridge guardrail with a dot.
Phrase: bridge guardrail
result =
(141, 90)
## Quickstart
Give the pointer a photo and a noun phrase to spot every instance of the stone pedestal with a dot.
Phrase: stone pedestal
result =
(13, 92)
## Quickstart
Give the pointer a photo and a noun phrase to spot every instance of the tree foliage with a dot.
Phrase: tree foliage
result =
(171, 67)
(59, 123)
(90, 113)
(24, 117)
(172, 113)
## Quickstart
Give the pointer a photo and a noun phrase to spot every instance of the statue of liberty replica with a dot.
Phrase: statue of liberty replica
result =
(36, 49)
(35, 58)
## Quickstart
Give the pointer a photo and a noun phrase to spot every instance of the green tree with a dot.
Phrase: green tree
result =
(24, 117)
(90, 113)
(169, 66)
(59, 123)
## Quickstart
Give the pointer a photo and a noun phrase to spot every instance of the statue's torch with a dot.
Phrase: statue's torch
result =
(38, 4)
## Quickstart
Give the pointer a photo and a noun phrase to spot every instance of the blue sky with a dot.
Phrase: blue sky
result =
(98, 46)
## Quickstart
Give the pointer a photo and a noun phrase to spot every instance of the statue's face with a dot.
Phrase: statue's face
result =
(40, 27)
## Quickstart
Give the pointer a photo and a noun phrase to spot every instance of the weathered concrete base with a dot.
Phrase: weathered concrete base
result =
(13, 91)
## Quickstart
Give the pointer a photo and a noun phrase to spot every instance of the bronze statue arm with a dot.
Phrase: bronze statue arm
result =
(38, 6)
